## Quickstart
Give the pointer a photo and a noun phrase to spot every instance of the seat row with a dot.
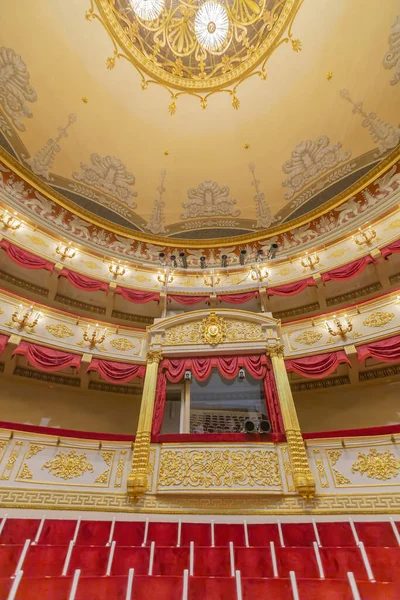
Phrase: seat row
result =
(139, 587)
(374, 563)
(137, 533)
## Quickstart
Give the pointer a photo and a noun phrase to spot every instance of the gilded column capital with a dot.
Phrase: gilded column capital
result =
(276, 350)
(154, 356)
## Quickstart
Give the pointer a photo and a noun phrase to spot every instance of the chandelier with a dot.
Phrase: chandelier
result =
(196, 47)
(211, 26)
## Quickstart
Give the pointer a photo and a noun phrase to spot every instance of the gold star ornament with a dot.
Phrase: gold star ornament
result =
(329, 75)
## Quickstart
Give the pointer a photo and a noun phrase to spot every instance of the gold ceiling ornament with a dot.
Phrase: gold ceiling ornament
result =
(85, 99)
(377, 465)
(309, 337)
(213, 329)
(194, 47)
(378, 319)
(68, 466)
(59, 330)
(329, 75)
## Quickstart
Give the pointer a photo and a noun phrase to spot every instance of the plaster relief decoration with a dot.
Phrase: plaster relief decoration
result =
(209, 199)
(157, 219)
(378, 319)
(213, 329)
(68, 465)
(309, 337)
(43, 160)
(108, 174)
(377, 465)
(223, 469)
(391, 60)
(310, 160)
(60, 330)
(381, 132)
(263, 212)
(15, 89)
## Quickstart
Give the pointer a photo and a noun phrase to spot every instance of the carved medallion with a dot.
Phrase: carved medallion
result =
(377, 465)
(378, 319)
(122, 344)
(69, 466)
(309, 337)
(213, 329)
(60, 331)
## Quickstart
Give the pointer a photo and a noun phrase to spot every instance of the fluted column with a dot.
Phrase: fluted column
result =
(302, 476)
(137, 480)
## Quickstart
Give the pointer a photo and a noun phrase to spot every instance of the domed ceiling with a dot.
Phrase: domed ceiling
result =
(200, 119)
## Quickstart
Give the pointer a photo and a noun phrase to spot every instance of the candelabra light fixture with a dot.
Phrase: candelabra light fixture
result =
(341, 330)
(95, 337)
(65, 250)
(10, 221)
(116, 269)
(258, 273)
(25, 319)
(365, 237)
(165, 277)
(211, 279)
(310, 260)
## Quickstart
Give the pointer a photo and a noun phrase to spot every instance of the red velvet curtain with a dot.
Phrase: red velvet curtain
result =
(137, 296)
(47, 359)
(238, 298)
(116, 372)
(187, 300)
(387, 350)
(350, 270)
(289, 289)
(87, 284)
(26, 259)
(391, 249)
(173, 369)
(3, 342)
(318, 366)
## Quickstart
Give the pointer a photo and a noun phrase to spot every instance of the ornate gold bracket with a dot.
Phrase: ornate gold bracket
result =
(303, 478)
(137, 480)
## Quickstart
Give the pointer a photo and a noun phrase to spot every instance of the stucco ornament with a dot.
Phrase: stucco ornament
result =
(108, 174)
(209, 199)
(391, 60)
(15, 88)
(310, 160)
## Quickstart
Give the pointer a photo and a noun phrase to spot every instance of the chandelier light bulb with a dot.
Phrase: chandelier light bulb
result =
(211, 25)
(148, 10)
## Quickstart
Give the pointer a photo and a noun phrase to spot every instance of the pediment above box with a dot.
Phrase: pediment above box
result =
(208, 329)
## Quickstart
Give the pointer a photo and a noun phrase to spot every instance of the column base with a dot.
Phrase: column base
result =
(304, 484)
(137, 485)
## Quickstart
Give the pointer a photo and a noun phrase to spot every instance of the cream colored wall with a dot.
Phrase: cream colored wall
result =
(69, 408)
(349, 407)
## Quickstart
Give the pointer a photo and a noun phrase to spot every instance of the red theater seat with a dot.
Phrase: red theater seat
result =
(44, 561)
(199, 533)
(254, 562)
(9, 556)
(318, 589)
(157, 588)
(229, 532)
(170, 561)
(44, 588)
(376, 534)
(163, 534)
(16, 531)
(300, 560)
(93, 533)
(126, 557)
(385, 563)
(212, 562)
(101, 588)
(91, 560)
(57, 531)
(298, 534)
(336, 534)
(128, 533)
(378, 591)
(215, 588)
(261, 534)
(261, 589)
(337, 562)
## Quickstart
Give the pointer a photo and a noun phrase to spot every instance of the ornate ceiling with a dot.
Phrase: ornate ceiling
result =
(141, 123)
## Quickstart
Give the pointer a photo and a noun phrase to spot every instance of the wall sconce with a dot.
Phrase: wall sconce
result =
(165, 277)
(116, 269)
(96, 337)
(65, 250)
(364, 237)
(341, 330)
(211, 279)
(25, 319)
(10, 221)
(310, 260)
(259, 273)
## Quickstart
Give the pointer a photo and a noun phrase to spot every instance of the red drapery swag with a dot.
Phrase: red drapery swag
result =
(259, 367)
(350, 270)
(137, 296)
(289, 289)
(238, 298)
(391, 249)
(387, 350)
(318, 366)
(47, 359)
(116, 372)
(87, 284)
(3, 342)
(187, 300)
(26, 259)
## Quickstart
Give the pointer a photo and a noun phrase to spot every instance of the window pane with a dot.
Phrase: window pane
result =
(172, 413)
